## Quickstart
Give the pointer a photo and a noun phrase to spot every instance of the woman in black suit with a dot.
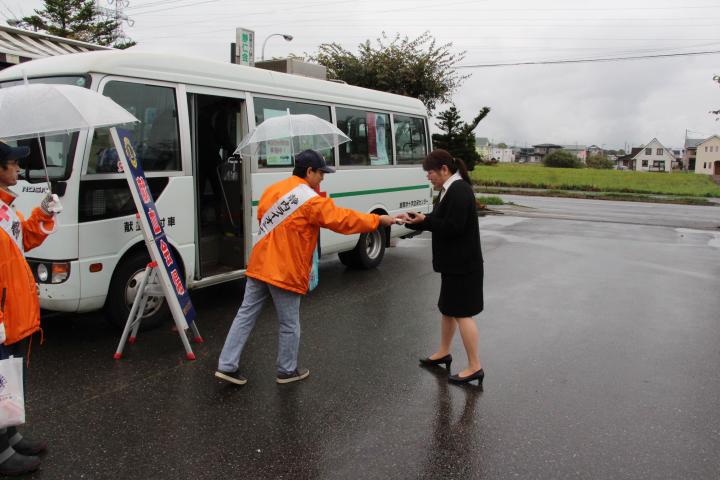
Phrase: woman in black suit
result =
(457, 256)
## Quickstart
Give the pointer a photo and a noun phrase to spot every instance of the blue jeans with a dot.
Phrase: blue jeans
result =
(287, 306)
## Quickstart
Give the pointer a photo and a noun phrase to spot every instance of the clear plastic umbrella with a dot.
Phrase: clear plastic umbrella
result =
(39, 109)
(36, 110)
(303, 131)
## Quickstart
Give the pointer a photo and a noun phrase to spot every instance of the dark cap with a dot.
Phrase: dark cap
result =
(312, 159)
(8, 153)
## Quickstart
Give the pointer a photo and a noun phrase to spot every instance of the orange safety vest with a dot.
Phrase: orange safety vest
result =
(22, 307)
(283, 257)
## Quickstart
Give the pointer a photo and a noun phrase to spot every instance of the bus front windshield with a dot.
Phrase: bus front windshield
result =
(59, 150)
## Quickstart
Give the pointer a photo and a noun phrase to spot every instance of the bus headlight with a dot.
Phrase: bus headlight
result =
(42, 272)
(50, 272)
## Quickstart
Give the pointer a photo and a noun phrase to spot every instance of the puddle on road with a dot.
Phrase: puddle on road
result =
(701, 236)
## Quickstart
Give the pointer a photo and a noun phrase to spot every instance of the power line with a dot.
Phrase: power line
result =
(589, 60)
(192, 4)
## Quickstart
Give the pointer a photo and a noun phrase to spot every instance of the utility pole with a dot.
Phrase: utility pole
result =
(116, 14)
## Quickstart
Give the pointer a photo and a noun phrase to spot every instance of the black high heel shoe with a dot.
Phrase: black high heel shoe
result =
(479, 375)
(428, 362)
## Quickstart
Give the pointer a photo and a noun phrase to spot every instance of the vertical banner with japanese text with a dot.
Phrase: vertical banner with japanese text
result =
(158, 245)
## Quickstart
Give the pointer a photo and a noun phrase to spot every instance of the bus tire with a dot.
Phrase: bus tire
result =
(368, 252)
(123, 287)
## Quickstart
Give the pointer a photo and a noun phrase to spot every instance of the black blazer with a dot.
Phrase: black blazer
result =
(455, 231)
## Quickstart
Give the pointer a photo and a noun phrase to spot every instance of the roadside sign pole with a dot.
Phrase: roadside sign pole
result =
(162, 275)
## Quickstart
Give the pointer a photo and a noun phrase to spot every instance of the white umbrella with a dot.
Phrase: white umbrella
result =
(302, 130)
(35, 110)
(50, 109)
(39, 109)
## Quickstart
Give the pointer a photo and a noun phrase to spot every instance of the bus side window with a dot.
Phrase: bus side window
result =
(278, 153)
(410, 140)
(370, 134)
(155, 137)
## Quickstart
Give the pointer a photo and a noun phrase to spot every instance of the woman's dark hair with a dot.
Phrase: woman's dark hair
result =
(439, 157)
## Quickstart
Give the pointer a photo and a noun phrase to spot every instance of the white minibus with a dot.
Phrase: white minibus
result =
(193, 113)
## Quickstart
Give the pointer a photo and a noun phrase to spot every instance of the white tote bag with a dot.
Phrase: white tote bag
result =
(12, 399)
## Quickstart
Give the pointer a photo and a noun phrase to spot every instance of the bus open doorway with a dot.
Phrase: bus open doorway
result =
(215, 132)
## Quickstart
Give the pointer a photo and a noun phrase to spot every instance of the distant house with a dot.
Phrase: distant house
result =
(627, 162)
(652, 157)
(544, 149)
(489, 151)
(677, 163)
(595, 150)
(482, 146)
(524, 155)
(689, 155)
(708, 156)
(18, 46)
(580, 151)
(502, 155)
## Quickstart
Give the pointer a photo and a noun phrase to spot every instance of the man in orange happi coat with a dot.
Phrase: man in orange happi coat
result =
(19, 305)
(291, 214)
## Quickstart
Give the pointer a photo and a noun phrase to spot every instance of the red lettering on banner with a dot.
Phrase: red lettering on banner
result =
(143, 188)
(154, 221)
(3, 213)
(165, 251)
(177, 282)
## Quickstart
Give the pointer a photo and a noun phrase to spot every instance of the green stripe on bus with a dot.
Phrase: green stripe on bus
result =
(369, 192)
(379, 190)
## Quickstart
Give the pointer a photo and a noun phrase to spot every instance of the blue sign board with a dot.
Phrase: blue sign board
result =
(154, 233)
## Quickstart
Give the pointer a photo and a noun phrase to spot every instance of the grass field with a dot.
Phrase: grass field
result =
(592, 180)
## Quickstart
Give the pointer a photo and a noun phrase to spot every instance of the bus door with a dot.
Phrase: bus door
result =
(216, 127)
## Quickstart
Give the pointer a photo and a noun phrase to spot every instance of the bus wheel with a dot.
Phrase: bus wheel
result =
(369, 251)
(123, 288)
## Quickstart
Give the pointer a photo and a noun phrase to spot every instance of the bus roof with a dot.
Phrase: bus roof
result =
(200, 71)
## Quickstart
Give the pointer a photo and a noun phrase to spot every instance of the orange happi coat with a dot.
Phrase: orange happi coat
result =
(283, 257)
(22, 308)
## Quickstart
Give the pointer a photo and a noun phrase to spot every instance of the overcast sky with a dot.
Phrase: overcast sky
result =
(613, 104)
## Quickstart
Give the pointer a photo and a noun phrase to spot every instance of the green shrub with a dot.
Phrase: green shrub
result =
(489, 200)
(562, 159)
(599, 161)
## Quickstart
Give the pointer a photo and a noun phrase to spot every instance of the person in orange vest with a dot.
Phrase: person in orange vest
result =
(291, 214)
(19, 303)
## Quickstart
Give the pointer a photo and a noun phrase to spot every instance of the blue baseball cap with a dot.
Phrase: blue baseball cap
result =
(312, 159)
(8, 153)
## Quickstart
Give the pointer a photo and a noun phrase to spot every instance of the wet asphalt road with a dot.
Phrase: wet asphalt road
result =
(600, 343)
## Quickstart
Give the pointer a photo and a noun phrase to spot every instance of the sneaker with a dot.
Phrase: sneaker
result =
(298, 374)
(19, 464)
(232, 377)
(29, 447)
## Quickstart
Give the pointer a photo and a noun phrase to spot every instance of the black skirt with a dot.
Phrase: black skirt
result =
(461, 295)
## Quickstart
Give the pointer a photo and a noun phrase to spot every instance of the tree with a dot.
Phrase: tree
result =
(599, 161)
(562, 159)
(458, 138)
(78, 20)
(417, 68)
(502, 145)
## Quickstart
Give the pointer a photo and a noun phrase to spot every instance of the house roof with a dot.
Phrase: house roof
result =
(18, 45)
(693, 142)
(708, 139)
(633, 153)
(547, 145)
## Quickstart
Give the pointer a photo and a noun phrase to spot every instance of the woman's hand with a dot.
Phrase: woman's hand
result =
(410, 217)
